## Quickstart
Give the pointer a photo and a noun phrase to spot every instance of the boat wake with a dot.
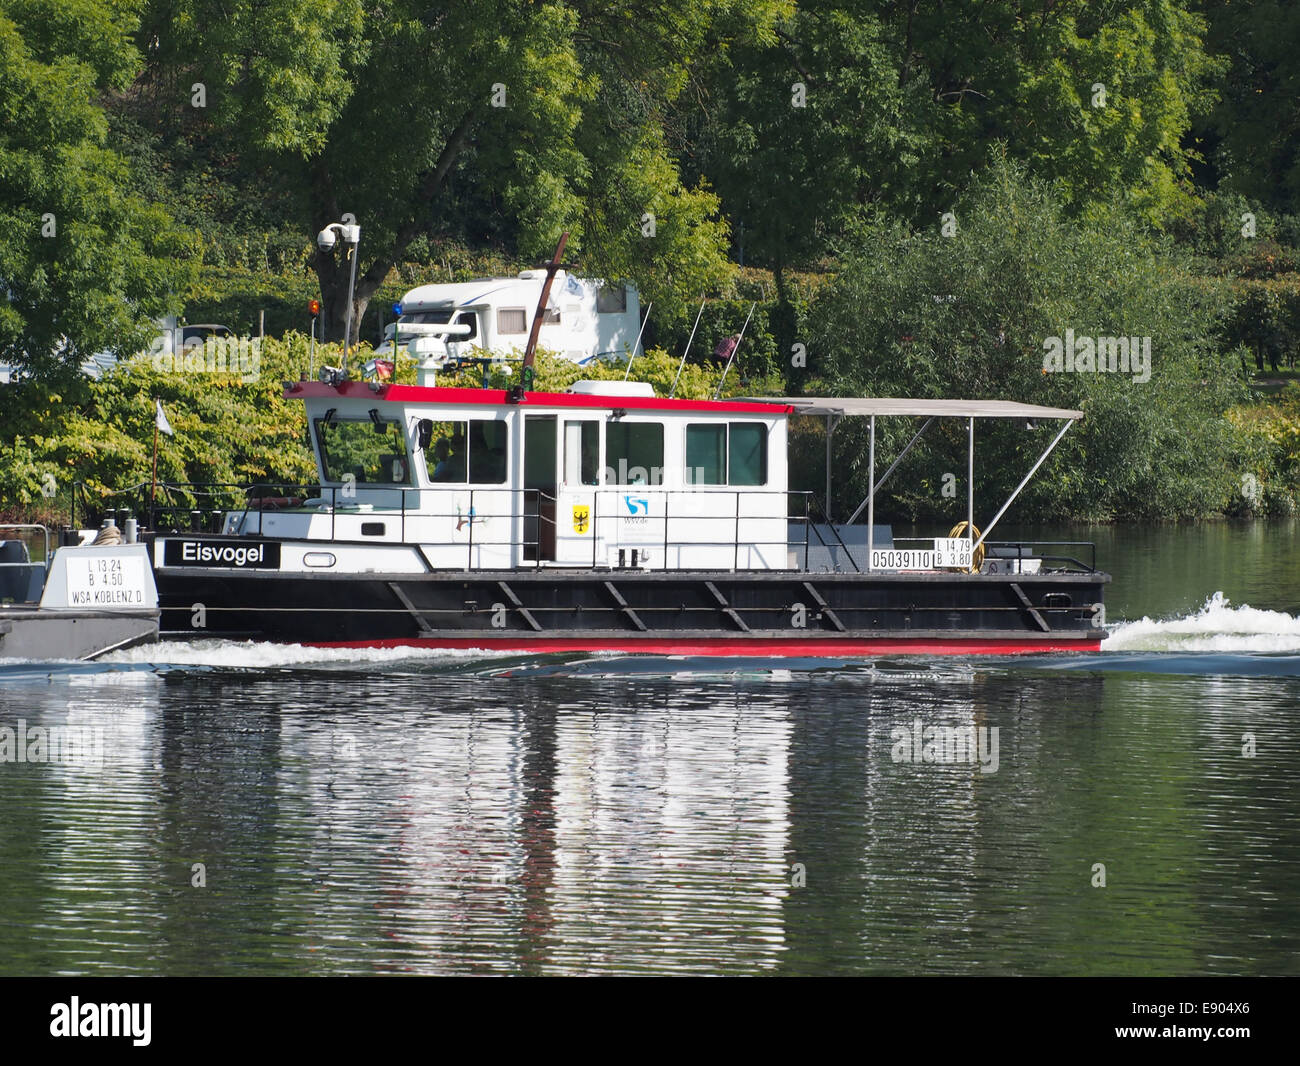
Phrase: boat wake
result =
(262, 655)
(1216, 627)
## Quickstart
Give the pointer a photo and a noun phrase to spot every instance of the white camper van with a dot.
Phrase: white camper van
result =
(586, 319)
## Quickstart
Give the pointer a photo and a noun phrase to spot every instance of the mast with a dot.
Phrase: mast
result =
(516, 393)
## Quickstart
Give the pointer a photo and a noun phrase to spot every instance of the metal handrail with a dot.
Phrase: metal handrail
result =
(30, 526)
(250, 499)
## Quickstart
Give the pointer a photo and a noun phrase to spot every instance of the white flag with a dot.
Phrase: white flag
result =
(160, 419)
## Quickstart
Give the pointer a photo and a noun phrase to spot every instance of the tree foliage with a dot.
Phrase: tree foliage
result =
(970, 316)
(84, 263)
(552, 116)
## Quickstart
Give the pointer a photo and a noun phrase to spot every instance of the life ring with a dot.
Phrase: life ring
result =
(977, 558)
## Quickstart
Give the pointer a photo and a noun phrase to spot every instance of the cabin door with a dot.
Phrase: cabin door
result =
(578, 528)
(540, 483)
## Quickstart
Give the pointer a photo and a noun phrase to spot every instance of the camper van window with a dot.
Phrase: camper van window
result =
(444, 315)
(747, 453)
(706, 454)
(357, 448)
(475, 451)
(512, 320)
(467, 318)
(611, 300)
(634, 453)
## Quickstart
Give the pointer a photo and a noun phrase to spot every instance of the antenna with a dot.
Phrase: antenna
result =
(636, 342)
(682, 366)
(516, 393)
(735, 349)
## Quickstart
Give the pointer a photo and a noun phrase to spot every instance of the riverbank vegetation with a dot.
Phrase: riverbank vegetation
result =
(919, 203)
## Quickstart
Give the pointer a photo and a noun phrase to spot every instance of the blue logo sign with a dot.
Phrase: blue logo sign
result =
(637, 504)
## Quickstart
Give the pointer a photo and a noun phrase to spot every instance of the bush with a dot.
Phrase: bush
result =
(925, 315)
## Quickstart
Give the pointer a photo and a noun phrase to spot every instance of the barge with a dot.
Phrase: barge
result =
(79, 602)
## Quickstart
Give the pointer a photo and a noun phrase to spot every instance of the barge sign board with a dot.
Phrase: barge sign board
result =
(227, 554)
(106, 581)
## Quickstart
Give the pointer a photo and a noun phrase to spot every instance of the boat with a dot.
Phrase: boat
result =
(80, 601)
(604, 518)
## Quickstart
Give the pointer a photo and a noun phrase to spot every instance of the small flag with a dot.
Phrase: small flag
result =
(160, 419)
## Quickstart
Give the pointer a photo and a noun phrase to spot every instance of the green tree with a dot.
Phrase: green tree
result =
(972, 316)
(1253, 136)
(84, 265)
(552, 116)
(859, 104)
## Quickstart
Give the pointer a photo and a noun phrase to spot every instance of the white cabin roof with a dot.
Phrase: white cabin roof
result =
(856, 406)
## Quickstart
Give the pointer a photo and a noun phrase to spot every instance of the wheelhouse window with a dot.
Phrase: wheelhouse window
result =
(732, 453)
(634, 453)
(582, 452)
(706, 454)
(369, 451)
(473, 452)
(746, 453)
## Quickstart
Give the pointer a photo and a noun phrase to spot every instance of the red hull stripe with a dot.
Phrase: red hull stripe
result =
(725, 646)
(497, 398)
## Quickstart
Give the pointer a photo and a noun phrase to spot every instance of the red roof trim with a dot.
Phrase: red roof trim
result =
(301, 390)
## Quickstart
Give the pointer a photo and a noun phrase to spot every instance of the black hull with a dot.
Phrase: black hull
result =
(674, 612)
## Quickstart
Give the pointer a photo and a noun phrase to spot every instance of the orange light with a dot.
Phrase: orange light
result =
(313, 306)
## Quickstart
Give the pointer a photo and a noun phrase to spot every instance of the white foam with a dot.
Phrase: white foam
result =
(1217, 627)
(252, 654)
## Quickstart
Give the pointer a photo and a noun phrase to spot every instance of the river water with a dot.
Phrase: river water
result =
(226, 808)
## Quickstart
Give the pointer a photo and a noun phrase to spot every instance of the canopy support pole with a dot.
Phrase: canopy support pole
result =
(1025, 481)
(892, 467)
(832, 421)
(871, 492)
(970, 485)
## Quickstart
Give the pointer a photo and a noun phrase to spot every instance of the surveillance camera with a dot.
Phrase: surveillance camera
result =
(325, 238)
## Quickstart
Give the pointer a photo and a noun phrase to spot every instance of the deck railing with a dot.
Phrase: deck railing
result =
(21, 577)
(194, 507)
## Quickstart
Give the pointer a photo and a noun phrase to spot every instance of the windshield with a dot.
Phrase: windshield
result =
(441, 316)
(363, 450)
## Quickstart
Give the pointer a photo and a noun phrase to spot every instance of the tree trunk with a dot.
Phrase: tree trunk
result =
(782, 322)
(333, 268)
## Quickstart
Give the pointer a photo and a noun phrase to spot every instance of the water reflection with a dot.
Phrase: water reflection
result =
(347, 822)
